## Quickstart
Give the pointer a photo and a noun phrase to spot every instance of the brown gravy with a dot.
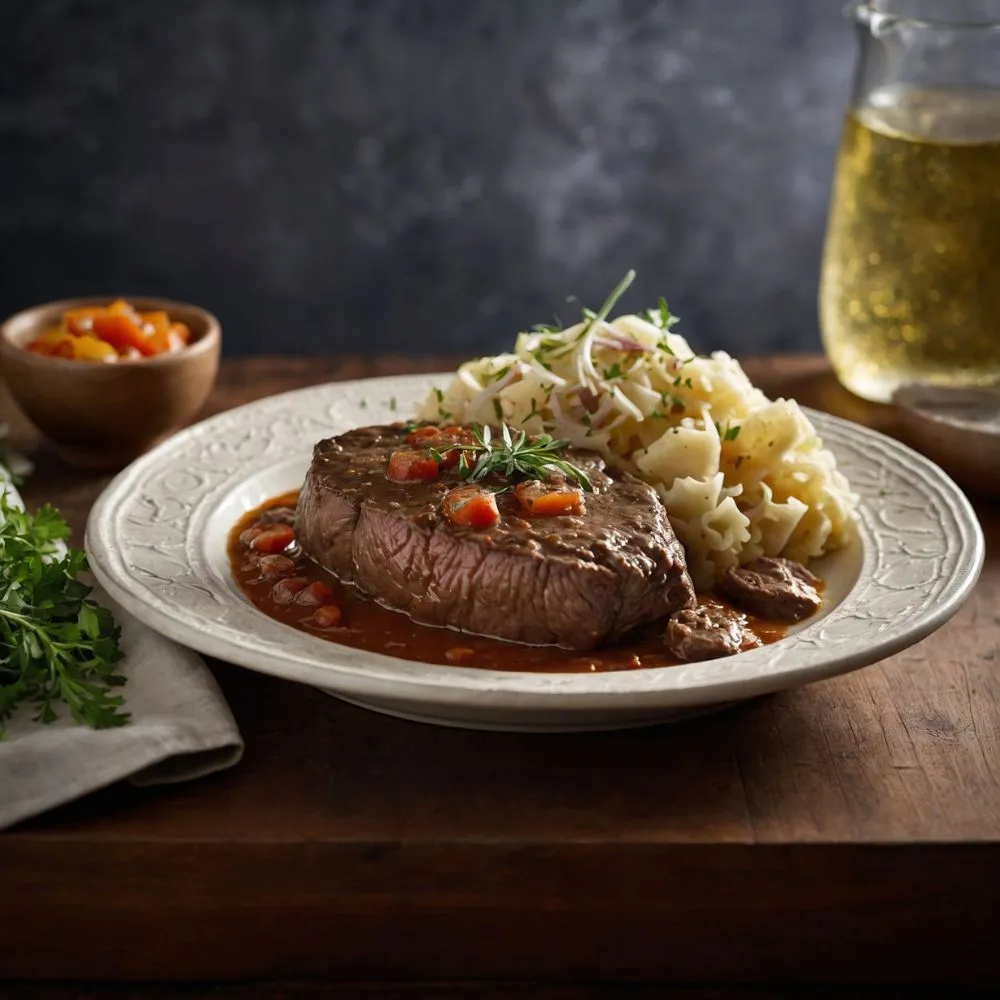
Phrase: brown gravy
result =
(367, 625)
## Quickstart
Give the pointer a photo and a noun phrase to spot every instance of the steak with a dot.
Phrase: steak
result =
(707, 632)
(576, 581)
(774, 588)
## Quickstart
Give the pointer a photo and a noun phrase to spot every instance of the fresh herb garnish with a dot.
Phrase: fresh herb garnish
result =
(609, 303)
(663, 318)
(517, 455)
(392, 403)
(498, 409)
(731, 433)
(672, 402)
(55, 643)
(615, 371)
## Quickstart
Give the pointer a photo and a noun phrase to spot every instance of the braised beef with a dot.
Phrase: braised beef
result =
(707, 632)
(778, 589)
(573, 580)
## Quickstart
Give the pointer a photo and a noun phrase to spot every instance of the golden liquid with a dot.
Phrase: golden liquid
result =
(910, 286)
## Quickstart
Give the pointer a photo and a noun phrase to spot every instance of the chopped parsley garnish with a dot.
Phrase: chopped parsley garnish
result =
(672, 402)
(392, 403)
(663, 318)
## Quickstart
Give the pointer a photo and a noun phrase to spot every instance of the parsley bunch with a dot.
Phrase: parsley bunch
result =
(55, 643)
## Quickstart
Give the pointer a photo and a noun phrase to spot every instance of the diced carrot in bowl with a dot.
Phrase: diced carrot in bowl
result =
(111, 333)
(122, 332)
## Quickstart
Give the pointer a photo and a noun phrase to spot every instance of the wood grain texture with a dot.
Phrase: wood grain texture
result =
(844, 832)
(449, 990)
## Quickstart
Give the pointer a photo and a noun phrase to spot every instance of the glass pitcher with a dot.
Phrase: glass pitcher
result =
(910, 283)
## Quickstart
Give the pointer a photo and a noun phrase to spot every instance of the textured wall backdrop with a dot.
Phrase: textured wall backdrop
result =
(423, 175)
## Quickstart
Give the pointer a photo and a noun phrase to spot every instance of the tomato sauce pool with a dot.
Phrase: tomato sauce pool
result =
(287, 586)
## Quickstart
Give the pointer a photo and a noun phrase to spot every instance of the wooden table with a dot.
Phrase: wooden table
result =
(847, 832)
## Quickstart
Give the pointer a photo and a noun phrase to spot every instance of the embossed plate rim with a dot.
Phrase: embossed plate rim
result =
(146, 547)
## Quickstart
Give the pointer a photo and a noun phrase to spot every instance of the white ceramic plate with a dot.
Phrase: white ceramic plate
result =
(156, 539)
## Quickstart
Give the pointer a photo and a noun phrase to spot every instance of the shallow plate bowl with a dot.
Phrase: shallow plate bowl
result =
(156, 539)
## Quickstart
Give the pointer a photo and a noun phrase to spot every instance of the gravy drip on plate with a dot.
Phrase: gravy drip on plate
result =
(287, 586)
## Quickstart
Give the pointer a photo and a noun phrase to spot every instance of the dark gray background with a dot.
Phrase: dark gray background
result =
(423, 175)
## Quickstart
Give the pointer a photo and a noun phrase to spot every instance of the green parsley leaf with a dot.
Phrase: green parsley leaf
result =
(56, 644)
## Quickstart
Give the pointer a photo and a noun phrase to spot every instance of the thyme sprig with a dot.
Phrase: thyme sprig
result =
(513, 455)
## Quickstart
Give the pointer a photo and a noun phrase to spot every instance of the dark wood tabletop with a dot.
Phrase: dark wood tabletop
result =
(842, 833)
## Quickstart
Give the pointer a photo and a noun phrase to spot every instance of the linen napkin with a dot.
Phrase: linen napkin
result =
(181, 729)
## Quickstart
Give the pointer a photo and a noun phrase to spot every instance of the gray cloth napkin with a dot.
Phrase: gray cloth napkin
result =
(181, 728)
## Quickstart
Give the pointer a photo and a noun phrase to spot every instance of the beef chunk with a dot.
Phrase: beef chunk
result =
(576, 580)
(777, 589)
(707, 632)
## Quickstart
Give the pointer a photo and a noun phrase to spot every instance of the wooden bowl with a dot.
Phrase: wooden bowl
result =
(101, 416)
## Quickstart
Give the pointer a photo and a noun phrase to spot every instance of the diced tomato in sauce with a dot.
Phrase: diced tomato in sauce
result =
(549, 501)
(411, 466)
(471, 507)
(286, 591)
(274, 539)
(423, 435)
(327, 616)
(439, 437)
(316, 593)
